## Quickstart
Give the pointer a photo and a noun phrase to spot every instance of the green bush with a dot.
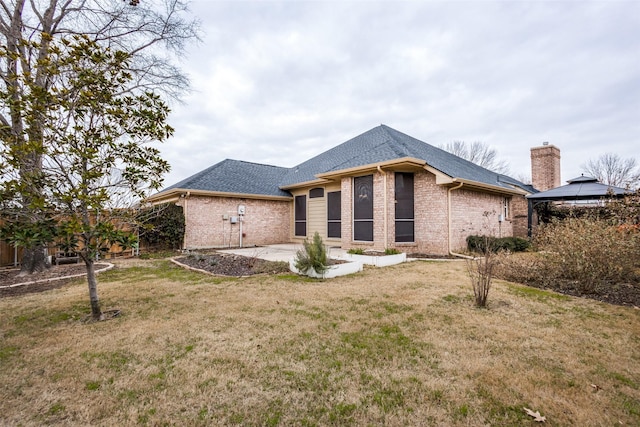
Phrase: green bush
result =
(356, 251)
(495, 244)
(313, 255)
(162, 226)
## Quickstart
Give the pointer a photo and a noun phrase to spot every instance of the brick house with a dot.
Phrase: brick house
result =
(381, 189)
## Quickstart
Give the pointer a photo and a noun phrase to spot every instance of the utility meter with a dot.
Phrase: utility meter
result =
(241, 209)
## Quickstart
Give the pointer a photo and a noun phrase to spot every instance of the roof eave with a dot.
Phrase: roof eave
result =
(441, 178)
(305, 184)
(489, 187)
(404, 161)
(175, 193)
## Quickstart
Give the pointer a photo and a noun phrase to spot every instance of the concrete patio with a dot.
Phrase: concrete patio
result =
(279, 252)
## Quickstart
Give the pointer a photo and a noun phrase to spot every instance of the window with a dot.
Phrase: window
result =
(300, 215)
(315, 193)
(505, 208)
(363, 208)
(404, 207)
(334, 214)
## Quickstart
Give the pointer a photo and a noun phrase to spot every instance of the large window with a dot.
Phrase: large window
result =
(300, 215)
(404, 207)
(334, 214)
(363, 208)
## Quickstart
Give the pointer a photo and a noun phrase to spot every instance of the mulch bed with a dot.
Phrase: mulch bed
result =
(53, 278)
(53, 274)
(624, 294)
(232, 265)
(428, 256)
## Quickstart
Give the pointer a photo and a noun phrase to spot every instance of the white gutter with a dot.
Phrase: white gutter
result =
(384, 178)
(449, 226)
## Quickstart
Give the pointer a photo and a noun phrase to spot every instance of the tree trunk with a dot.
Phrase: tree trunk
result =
(96, 313)
(33, 261)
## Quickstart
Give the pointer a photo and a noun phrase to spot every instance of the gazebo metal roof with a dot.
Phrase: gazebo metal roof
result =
(580, 188)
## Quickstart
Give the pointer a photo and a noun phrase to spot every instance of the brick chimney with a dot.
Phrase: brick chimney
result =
(545, 167)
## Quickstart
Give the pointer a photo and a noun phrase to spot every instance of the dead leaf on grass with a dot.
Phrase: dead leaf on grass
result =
(536, 415)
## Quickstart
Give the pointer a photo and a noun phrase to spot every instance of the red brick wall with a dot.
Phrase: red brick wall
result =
(473, 212)
(519, 208)
(431, 223)
(265, 222)
(430, 213)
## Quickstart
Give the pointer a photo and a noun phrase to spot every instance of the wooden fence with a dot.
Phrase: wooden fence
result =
(9, 254)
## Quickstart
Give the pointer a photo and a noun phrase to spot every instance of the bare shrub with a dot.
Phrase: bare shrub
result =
(481, 271)
(586, 250)
(528, 268)
(481, 268)
(588, 254)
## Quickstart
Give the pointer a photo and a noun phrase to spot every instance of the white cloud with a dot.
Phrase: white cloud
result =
(279, 82)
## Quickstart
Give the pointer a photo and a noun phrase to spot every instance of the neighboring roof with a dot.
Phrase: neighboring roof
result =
(580, 188)
(236, 177)
(378, 145)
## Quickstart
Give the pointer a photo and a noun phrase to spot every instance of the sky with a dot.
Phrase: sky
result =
(278, 82)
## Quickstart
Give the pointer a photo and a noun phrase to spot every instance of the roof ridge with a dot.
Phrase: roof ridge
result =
(353, 157)
(396, 142)
(256, 163)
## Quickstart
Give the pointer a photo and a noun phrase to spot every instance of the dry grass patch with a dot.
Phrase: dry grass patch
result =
(401, 345)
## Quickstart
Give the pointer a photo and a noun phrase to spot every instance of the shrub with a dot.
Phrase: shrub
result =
(588, 253)
(313, 255)
(511, 244)
(391, 251)
(356, 251)
(481, 270)
(163, 226)
(528, 268)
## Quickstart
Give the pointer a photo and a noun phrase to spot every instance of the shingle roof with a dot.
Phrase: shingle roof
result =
(237, 176)
(580, 188)
(379, 144)
(383, 143)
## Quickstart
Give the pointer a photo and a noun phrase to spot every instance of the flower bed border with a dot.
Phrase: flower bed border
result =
(378, 261)
(332, 271)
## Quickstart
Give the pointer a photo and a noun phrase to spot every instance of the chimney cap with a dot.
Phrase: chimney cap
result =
(545, 143)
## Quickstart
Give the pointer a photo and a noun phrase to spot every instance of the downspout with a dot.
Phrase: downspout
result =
(184, 208)
(384, 179)
(449, 226)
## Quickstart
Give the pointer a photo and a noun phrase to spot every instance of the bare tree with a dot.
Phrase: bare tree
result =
(151, 31)
(479, 153)
(611, 169)
(524, 178)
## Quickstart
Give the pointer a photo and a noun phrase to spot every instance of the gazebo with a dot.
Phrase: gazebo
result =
(580, 190)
